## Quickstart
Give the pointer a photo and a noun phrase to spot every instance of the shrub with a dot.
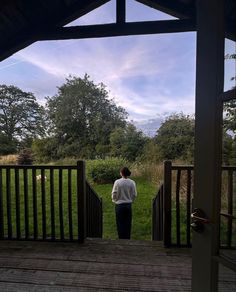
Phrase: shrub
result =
(25, 157)
(105, 171)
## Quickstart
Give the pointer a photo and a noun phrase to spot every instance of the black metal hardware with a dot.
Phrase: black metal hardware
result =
(198, 220)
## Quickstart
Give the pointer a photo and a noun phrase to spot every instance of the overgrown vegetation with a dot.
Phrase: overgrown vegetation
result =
(25, 157)
(82, 121)
(105, 170)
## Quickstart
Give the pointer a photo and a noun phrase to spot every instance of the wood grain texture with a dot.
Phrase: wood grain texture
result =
(96, 265)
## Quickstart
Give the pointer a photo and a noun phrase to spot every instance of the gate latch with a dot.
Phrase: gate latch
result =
(198, 220)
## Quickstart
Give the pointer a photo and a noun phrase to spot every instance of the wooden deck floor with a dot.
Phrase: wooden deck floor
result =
(96, 265)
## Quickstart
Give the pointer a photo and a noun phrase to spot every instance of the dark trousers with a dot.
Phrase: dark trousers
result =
(123, 220)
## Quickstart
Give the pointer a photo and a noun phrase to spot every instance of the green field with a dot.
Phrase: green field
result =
(142, 207)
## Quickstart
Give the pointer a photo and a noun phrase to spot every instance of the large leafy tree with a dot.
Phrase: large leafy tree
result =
(175, 137)
(230, 116)
(82, 116)
(127, 142)
(6, 146)
(21, 117)
(175, 140)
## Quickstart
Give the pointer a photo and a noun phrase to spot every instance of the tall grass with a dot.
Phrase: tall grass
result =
(8, 159)
(152, 172)
(148, 178)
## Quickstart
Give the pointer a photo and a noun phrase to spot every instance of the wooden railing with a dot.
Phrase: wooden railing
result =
(172, 207)
(157, 215)
(47, 202)
(94, 213)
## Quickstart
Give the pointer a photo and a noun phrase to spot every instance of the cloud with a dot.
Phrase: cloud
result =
(147, 75)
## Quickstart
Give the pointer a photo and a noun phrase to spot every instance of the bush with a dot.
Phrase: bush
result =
(25, 157)
(105, 171)
(45, 149)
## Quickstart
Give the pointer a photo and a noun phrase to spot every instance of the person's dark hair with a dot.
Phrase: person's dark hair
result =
(125, 171)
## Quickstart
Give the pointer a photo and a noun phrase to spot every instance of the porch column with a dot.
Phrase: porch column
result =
(208, 140)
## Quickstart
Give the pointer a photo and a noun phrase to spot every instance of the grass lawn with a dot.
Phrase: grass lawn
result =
(142, 210)
(142, 207)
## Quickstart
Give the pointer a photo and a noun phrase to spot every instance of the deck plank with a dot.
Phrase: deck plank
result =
(96, 265)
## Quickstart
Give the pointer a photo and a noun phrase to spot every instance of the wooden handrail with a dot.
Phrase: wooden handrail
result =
(49, 203)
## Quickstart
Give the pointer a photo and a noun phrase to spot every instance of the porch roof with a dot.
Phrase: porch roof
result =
(22, 21)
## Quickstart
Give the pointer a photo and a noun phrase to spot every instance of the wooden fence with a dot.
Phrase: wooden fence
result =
(48, 203)
(172, 206)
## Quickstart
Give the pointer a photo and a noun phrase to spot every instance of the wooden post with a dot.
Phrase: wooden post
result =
(167, 203)
(120, 11)
(208, 127)
(1, 207)
(81, 200)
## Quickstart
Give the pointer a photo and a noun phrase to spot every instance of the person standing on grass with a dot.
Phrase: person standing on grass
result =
(123, 194)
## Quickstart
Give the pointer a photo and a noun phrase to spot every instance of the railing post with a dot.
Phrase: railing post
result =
(167, 203)
(81, 200)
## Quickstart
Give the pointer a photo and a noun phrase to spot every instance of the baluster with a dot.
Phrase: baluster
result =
(8, 192)
(1, 207)
(61, 205)
(17, 192)
(44, 228)
(70, 205)
(178, 207)
(35, 203)
(26, 203)
(52, 203)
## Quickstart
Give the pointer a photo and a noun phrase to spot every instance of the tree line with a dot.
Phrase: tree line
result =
(82, 121)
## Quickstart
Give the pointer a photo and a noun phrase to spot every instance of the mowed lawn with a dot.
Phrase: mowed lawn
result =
(142, 210)
(142, 207)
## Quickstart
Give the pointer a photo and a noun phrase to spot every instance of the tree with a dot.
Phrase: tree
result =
(127, 142)
(230, 116)
(21, 117)
(6, 146)
(229, 149)
(151, 152)
(82, 116)
(45, 149)
(175, 138)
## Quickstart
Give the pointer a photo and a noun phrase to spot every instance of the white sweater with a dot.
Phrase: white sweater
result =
(124, 191)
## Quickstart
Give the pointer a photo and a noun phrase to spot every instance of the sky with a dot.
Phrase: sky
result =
(151, 76)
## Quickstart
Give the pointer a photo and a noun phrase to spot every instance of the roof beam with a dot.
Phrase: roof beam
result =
(120, 11)
(228, 95)
(118, 29)
(174, 8)
(230, 30)
(182, 10)
(76, 10)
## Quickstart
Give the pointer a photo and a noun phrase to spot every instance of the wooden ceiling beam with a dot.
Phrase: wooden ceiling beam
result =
(118, 29)
(229, 95)
(120, 11)
(174, 8)
(26, 38)
(77, 10)
(183, 10)
(230, 30)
